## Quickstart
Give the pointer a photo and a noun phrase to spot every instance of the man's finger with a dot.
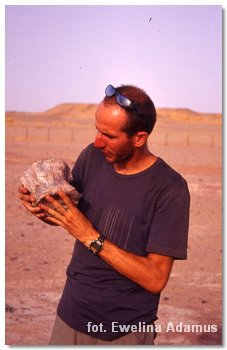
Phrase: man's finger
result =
(22, 189)
(41, 215)
(55, 204)
(30, 207)
(53, 220)
(66, 200)
(26, 197)
(58, 214)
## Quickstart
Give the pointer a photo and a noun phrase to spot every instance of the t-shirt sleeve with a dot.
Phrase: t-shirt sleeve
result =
(168, 233)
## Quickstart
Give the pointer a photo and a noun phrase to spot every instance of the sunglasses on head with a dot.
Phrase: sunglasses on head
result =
(122, 100)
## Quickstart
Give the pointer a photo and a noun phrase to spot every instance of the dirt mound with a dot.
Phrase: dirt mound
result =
(80, 110)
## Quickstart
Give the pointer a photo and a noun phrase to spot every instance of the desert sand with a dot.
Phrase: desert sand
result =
(37, 255)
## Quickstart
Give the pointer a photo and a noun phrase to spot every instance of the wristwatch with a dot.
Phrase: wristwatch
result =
(97, 244)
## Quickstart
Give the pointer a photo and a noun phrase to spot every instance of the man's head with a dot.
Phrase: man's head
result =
(124, 121)
(140, 109)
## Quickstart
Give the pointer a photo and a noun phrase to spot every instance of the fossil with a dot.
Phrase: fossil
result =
(47, 177)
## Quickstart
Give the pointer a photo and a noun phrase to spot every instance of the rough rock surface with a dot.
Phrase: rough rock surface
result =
(48, 177)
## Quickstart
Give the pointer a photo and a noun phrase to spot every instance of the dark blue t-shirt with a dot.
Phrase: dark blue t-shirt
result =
(143, 213)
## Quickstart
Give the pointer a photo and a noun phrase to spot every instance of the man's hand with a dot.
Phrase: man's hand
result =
(27, 200)
(71, 219)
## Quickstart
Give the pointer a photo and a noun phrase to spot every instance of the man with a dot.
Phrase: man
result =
(131, 223)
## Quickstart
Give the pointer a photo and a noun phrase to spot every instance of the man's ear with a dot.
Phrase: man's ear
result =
(140, 138)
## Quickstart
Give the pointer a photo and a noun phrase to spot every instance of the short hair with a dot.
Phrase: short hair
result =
(143, 102)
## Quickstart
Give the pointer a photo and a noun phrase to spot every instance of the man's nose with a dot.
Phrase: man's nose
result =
(99, 143)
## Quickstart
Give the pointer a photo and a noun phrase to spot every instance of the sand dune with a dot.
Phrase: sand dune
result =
(80, 110)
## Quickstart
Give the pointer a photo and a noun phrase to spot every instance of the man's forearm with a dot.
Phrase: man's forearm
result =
(137, 268)
(150, 272)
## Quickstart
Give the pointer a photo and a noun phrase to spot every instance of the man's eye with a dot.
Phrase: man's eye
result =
(109, 136)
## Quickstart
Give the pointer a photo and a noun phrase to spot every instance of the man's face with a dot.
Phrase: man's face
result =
(113, 142)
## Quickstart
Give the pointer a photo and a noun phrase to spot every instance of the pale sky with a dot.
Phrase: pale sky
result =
(68, 54)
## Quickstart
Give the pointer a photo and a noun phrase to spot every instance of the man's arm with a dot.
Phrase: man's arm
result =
(150, 272)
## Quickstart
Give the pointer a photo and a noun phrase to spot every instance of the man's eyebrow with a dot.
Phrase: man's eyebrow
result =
(107, 133)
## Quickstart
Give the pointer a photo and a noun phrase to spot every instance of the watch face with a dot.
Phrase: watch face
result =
(96, 246)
